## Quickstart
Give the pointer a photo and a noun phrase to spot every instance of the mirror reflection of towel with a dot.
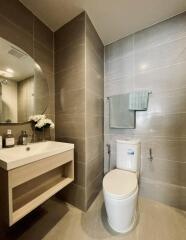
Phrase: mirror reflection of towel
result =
(120, 116)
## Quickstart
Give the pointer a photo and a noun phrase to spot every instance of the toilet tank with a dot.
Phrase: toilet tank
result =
(128, 154)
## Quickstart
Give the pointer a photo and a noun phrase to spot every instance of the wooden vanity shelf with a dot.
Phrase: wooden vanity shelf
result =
(28, 186)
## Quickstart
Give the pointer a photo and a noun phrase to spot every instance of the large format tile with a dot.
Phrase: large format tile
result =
(44, 57)
(161, 56)
(119, 49)
(43, 34)
(70, 79)
(70, 125)
(15, 12)
(94, 147)
(164, 171)
(72, 101)
(92, 38)
(164, 149)
(166, 193)
(119, 68)
(172, 125)
(94, 60)
(163, 223)
(166, 31)
(119, 86)
(17, 36)
(94, 103)
(168, 102)
(79, 173)
(71, 33)
(74, 194)
(79, 147)
(94, 168)
(94, 80)
(94, 125)
(70, 57)
(93, 189)
(162, 79)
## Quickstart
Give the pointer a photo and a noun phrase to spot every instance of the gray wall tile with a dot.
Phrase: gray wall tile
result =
(153, 59)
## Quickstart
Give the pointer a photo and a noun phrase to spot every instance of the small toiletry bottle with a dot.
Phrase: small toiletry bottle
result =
(1, 142)
(9, 139)
(24, 138)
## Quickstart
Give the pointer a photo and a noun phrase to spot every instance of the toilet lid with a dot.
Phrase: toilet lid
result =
(119, 183)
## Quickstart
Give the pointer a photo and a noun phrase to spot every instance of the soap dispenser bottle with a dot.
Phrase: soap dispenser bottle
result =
(24, 138)
(9, 139)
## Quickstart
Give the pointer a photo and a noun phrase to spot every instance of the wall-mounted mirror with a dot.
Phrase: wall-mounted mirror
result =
(23, 87)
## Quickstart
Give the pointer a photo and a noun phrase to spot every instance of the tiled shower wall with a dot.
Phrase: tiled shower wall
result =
(153, 59)
(20, 27)
(79, 105)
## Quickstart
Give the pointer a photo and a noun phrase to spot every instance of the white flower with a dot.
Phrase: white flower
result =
(36, 118)
(41, 121)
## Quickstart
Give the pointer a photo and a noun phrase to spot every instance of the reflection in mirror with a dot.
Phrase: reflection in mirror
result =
(23, 87)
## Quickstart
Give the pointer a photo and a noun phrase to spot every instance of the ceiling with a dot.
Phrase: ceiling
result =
(113, 19)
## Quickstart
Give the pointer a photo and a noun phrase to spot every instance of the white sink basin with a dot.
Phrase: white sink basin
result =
(17, 156)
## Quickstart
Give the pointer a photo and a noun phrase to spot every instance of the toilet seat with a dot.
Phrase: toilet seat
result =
(120, 184)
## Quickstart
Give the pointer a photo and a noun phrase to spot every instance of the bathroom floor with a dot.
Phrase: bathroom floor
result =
(55, 220)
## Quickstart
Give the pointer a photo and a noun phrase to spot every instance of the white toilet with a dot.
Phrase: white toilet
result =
(120, 186)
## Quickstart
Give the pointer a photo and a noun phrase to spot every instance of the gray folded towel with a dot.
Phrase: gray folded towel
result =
(120, 116)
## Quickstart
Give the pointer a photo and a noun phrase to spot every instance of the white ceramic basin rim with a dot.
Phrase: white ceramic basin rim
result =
(17, 156)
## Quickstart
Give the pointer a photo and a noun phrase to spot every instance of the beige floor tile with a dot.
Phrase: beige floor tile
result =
(56, 220)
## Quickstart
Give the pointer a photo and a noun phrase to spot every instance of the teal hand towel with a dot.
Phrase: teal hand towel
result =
(139, 100)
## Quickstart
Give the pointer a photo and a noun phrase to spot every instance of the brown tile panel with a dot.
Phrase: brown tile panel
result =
(72, 101)
(70, 57)
(79, 147)
(93, 189)
(94, 80)
(94, 168)
(70, 32)
(94, 103)
(70, 125)
(44, 57)
(70, 80)
(94, 126)
(15, 35)
(75, 195)
(43, 34)
(15, 12)
(79, 173)
(93, 60)
(19, 26)
(94, 112)
(92, 38)
(94, 147)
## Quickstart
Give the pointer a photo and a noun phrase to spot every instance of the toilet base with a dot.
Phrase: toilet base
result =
(130, 228)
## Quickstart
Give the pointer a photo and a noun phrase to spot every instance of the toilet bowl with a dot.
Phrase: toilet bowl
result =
(120, 191)
(120, 187)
